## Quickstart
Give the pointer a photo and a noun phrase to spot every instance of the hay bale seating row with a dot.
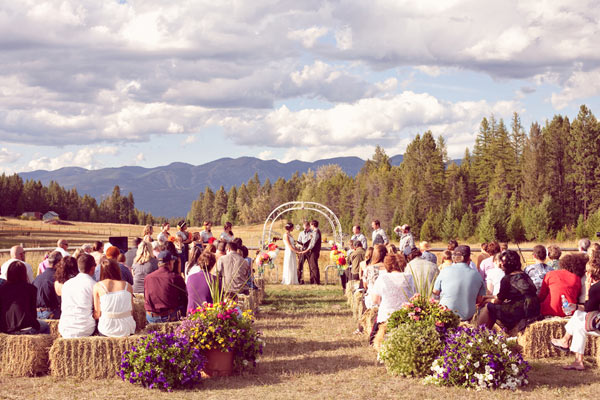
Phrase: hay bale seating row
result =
(24, 355)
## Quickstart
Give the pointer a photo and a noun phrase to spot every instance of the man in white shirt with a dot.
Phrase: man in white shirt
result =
(358, 236)
(61, 246)
(17, 253)
(379, 236)
(163, 236)
(76, 319)
(407, 241)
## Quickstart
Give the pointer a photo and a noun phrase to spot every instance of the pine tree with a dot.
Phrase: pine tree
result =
(220, 205)
(534, 166)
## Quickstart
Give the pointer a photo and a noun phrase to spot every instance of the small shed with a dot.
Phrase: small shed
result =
(32, 214)
(51, 216)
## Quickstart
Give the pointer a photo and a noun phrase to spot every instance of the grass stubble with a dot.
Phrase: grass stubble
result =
(311, 353)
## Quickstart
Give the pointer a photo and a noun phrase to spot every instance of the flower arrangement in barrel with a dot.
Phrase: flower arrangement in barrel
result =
(339, 258)
(425, 309)
(266, 258)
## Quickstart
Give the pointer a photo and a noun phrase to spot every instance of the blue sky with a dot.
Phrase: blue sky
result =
(106, 84)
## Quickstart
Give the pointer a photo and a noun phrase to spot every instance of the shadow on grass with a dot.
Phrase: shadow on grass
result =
(548, 373)
(287, 346)
(292, 314)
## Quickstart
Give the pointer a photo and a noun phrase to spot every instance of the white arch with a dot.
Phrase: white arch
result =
(334, 222)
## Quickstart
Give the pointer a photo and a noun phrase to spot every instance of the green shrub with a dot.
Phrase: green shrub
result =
(423, 309)
(409, 349)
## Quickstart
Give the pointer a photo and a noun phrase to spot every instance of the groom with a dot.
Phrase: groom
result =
(303, 239)
(314, 253)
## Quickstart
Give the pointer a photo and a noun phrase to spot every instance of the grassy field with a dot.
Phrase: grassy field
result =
(311, 353)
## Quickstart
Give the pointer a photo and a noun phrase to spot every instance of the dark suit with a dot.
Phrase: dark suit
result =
(304, 240)
(313, 257)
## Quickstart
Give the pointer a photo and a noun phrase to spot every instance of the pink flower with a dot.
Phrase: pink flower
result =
(418, 309)
(439, 324)
(416, 318)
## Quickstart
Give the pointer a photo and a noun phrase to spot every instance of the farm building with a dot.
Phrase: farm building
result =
(50, 216)
(32, 214)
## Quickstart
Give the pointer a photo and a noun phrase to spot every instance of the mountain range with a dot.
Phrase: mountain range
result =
(169, 190)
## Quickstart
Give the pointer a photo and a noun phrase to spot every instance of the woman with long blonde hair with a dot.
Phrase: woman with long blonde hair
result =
(143, 264)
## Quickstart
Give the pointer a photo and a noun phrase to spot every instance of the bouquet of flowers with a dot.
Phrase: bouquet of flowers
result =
(479, 358)
(162, 361)
(266, 258)
(222, 326)
(425, 310)
(338, 257)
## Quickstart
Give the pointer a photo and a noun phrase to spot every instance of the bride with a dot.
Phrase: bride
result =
(290, 261)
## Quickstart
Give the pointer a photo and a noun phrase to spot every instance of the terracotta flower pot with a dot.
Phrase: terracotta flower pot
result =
(218, 363)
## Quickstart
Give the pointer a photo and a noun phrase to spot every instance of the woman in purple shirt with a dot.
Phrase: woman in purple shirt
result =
(198, 285)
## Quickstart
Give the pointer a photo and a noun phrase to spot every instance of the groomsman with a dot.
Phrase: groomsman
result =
(314, 253)
(357, 235)
(304, 239)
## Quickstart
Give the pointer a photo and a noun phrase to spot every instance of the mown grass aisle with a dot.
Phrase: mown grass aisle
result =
(311, 354)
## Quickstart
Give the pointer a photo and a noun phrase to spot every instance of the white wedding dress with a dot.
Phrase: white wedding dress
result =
(290, 263)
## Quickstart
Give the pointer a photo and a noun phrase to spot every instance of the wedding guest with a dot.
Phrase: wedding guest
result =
(227, 234)
(579, 327)
(459, 286)
(98, 252)
(17, 253)
(220, 249)
(423, 272)
(206, 234)
(407, 241)
(147, 233)
(198, 285)
(43, 265)
(556, 283)
(113, 302)
(157, 247)
(233, 270)
(163, 236)
(177, 267)
(65, 270)
(62, 246)
(482, 255)
(193, 267)
(391, 290)
(583, 245)
(363, 265)
(374, 270)
(539, 269)
(581, 260)
(486, 264)
(378, 236)
(165, 295)
(182, 241)
(132, 252)
(517, 302)
(494, 277)
(112, 253)
(48, 304)
(18, 300)
(357, 235)
(426, 253)
(503, 246)
(210, 248)
(554, 254)
(144, 263)
(446, 259)
(357, 256)
(77, 318)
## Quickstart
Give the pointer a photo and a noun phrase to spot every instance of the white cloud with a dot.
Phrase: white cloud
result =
(189, 140)
(140, 157)
(343, 38)
(265, 155)
(84, 158)
(8, 157)
(431, 70)
(580, 85)
(308, 36)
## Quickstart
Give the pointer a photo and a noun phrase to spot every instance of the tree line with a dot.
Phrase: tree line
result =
(514, 186)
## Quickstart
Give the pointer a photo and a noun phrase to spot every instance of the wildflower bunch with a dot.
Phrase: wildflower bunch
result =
(222, 326)
(339, 258)
(162, 361)
(479, 358)
(424, 310)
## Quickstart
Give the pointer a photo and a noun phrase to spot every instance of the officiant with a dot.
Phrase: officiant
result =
(304, 239)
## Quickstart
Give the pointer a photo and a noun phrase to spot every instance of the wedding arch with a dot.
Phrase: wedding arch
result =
(334, 222)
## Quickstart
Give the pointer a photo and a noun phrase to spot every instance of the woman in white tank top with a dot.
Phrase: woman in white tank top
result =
(113, 302)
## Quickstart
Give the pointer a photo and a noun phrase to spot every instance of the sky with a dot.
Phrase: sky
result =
(99, 84)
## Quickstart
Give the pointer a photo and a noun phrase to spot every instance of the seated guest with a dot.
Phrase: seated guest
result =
(113, 302)
(220, 249)
(426, 253)
(563, 281)
(446, 259)
(65, 270)
(422, 271)
(132, 252)
(374, 269)
(486, 264)
(227, 234)
(539, 269)
(192, 266)
(554, 256)
(391, 290)
(357, 256)
(147, 233)
(44, 264)
(48, 304)
(113, 253)
(233, 270)
(494, 277)
(577, 329)
(62, 246)
(459, 286)
(18, 303)
(157, 247)
(143, 264)
(206, 234)
(364, 263)
(77, 318)
(98, 252)
(516, 302)
(165, 295)
(482, 255)
(17, 253)
(198, 284)
(170, 247)
(581, 260)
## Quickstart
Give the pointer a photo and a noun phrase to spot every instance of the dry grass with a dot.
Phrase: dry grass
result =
(311, 353)
(24, 355)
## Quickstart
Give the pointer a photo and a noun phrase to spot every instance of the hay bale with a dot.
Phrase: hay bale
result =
(139, 313)
(93, 357)
(24, 355)
(358, 305)
(162, 327)
(368, 319)
(53, 324)
(535, 339)
(243, 301)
